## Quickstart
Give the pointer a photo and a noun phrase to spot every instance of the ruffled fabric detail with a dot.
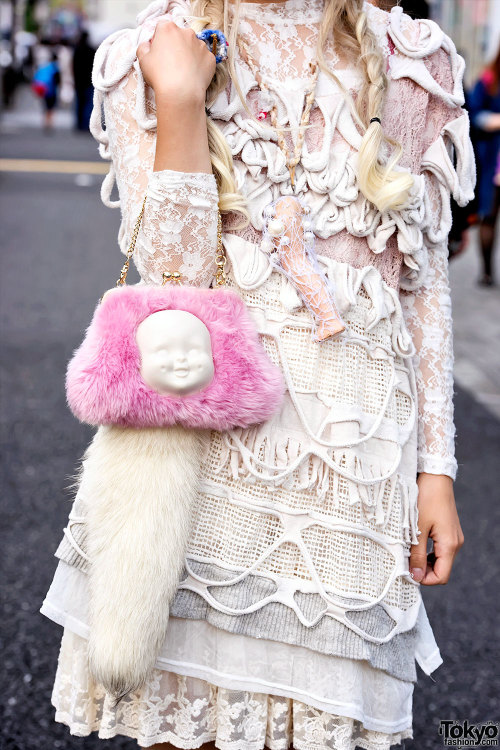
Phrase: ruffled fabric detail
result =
(410, 62)
(328, 175)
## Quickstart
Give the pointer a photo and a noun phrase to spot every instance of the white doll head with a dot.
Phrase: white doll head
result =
(176, 352)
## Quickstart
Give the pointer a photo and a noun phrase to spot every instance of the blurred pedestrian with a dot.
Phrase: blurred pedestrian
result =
(10, 79)
(484, 108)
(83, 59)
(45, 84)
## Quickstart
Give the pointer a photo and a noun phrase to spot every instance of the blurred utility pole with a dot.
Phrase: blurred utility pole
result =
(13, 28)
(17, 14)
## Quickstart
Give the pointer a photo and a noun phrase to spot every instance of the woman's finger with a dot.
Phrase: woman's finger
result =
(418, 557)
(439, 572)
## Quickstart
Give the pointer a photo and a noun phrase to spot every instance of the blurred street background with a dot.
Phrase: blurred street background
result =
(60, 252)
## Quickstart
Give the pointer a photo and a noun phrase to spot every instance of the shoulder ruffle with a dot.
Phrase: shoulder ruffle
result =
(410, 62)
(420, 51)
(409, 44)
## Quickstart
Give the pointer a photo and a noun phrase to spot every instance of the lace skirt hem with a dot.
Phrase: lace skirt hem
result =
(188, 712)
(80, 730)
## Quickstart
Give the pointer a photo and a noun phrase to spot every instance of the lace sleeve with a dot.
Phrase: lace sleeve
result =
(448, 169)
(428, 317)
(179, 225)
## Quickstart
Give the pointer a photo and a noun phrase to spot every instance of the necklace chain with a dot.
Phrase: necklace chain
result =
(291, 160)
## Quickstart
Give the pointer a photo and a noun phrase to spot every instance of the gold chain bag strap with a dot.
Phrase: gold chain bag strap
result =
(175, 276)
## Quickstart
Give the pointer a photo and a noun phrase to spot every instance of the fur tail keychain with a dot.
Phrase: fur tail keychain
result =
(157, 369)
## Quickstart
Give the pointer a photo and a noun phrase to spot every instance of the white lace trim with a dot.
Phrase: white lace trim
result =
(284, 13)
(181, 228)
(188, 711)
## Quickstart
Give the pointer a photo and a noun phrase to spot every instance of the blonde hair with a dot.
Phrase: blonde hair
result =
(380, 183)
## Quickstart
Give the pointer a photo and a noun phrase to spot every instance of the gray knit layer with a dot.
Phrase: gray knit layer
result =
(275, 621)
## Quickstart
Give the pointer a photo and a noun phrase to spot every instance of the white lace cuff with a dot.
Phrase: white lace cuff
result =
(436, 464)
(179, 227)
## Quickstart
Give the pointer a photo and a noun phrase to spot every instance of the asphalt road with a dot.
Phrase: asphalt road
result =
(59, 255)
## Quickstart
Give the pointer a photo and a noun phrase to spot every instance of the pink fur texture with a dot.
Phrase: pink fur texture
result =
(103, 380)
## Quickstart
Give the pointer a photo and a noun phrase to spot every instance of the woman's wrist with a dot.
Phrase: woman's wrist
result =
(168, 99)
(182, 140)
(427, 476)
(438, 520)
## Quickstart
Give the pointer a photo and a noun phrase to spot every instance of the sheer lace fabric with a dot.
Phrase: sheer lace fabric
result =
(428, 316)
(286, 478)
(188, 712)
(179, 225)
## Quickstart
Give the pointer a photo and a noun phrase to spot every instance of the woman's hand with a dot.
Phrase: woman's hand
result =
(179, 67)
(438, 519)
(176, 64)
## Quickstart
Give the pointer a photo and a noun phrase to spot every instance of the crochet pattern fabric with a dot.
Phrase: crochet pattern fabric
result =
(303, 525)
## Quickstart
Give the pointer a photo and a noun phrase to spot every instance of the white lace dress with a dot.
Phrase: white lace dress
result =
(296, 620)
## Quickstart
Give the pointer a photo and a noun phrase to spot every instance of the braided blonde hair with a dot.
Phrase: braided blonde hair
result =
(380, 183)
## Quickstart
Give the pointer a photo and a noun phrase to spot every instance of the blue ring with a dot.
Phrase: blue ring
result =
(206, 36)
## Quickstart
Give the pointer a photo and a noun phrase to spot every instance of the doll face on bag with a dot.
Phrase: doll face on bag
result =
(176, 352)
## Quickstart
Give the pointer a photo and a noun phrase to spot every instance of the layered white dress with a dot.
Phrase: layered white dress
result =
(296, 620)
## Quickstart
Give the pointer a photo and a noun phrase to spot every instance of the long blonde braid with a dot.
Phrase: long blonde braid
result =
(381, 184)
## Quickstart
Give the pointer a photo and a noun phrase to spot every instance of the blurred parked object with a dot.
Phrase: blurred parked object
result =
(474, 26)
(16, 62)
(106, 16)
(83, 58)
(64, 24)
(484, 109)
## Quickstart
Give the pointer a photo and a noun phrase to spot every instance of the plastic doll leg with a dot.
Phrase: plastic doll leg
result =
(299, 267)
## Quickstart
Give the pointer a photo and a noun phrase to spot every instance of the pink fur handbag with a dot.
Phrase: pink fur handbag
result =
(157, 369)
(104, 384)
(104, 381)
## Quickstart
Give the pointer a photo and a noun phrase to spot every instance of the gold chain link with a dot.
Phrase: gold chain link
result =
(123, 273)
(220, 258)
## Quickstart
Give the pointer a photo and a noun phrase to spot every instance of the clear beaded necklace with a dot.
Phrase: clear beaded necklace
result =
(291, 160)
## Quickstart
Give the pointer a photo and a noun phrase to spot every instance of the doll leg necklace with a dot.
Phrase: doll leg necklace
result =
(288, 236)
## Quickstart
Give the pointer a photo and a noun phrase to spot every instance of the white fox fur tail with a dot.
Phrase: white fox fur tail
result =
(139, 486)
